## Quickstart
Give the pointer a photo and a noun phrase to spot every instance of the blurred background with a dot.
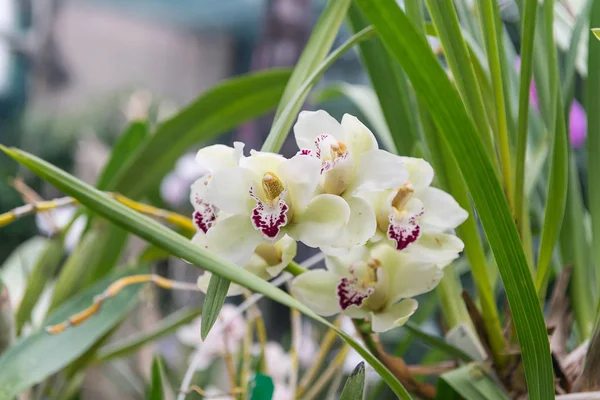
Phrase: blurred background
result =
(74, 74)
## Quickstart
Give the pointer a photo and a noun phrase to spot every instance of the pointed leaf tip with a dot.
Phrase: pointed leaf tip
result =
(596, 32)
(355, 385)
(213, 302)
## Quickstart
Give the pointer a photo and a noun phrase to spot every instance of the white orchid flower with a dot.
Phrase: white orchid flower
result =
(351, 162)
(415, 217)
(211, 159)
(215, 346)
(268, 196)
(267, 261)
(377, 283)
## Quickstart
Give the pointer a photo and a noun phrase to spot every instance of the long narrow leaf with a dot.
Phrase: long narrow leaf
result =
(593, 138)
(319, 44)
(390, 85)
(434, 88)
(213, 302)
(161, 236)
(281, 126)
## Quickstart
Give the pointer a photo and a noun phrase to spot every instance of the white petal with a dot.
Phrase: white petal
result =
(311, 124)
(233, 238)
(420, 173)
(412, 279)
(359, 138)
(190, 334)
(378, 170)
(393, 316)
(442, 212)
(301, 175)
(215, 157)
(437, 248)
(322, 222)
(338, 260)
(288, 248)
(317, 289)
(361, 225)
(204, 279)
(261, 162)
(229, 190)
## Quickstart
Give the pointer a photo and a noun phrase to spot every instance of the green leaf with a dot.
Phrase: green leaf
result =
(213, 302)
(394, 95)
(125, 147)
(556, 197)
(181, 247)
(75, 271)
(471, 382)
(593, 138)
(156, 385)
(444, 16)
(281, 126)
(443, 102)
(165, 327)
(596, 32)
(355, 385)
(528, 36)
(42, 273)
(220, 109)
(40, 355)
(263, 388)
(316, 49)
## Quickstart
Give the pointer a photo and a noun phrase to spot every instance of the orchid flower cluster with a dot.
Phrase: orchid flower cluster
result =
(386, 233)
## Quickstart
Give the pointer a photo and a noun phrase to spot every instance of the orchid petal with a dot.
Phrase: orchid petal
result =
(228, 189)
(339, 260)
(393, 316)
(322, 222)
(215, 157)
(261, 162)
(442, 212)
(301, 175)
(360, 227)
(268, 219)
(436, 248)
(378, 170)
(233, 238)
(359, 138)
(288, 248)
(311, 124)
(317, 289)
(420, 173)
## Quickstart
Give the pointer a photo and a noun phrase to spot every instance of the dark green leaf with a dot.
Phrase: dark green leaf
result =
(355, 385)
(213, 302)
(443, 102)
(436, 342)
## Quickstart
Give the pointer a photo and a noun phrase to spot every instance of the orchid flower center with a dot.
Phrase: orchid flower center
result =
(270, 253)
(332, 153)
(354, 290)
(402, 225)
(271, 215)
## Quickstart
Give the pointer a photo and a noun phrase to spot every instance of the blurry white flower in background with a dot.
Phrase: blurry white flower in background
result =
(175, 187)
(227, 339)
(307, 346)
(51, 222)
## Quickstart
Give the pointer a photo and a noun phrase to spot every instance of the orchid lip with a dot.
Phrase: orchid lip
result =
(269, 217)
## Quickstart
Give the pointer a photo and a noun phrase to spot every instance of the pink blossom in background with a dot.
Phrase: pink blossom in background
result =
(577, 116)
